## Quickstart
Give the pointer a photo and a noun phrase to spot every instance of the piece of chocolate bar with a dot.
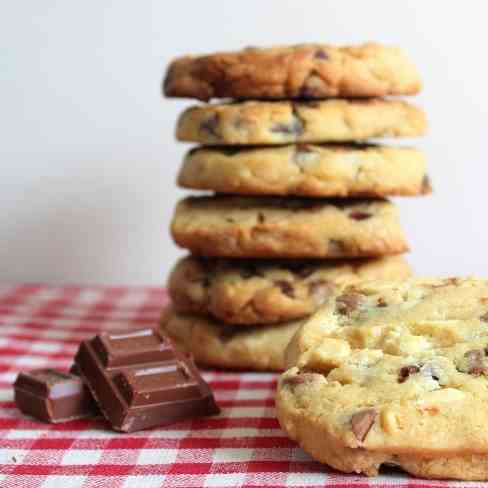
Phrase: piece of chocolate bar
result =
(139, 380)
(53, 396)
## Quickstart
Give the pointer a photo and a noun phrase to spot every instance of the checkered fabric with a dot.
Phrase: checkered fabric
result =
(41, 326)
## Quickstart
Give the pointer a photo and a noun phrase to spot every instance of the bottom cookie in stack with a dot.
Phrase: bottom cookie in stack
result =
(213, 343)
(242, 314)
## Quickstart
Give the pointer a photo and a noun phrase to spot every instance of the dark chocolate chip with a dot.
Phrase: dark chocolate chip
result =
(381, 302)
(209, 126)
(295, 127)
(362, 422)
(320, 290)
(406, 371)
(286, 288)
(475, 358)
(358, 215)
(335, 247)
(349, 302)
(261, 218)
(300, 379)
(321, 54)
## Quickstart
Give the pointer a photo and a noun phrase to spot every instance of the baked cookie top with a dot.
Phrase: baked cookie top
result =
(287, 227)
(329, 170)
(304, 71)
(212, 343)
(393, 372)
(288, 122)
(250, 292)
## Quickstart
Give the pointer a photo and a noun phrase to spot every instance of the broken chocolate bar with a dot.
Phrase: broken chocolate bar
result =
(139, 380)
(53, 396)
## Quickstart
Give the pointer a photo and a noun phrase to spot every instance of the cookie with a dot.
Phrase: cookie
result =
(215, 344)
(286, 122)
(302, 71)
(273, 227)
(308, 170)
(264, 292)
(393, 373)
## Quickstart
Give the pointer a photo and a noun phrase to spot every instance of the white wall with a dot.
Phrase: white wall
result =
(87, 152)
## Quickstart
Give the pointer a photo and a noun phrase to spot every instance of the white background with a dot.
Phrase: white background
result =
(87, 152)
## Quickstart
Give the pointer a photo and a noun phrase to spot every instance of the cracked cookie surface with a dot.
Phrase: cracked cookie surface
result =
(212, 343)
(290, 122)
(308, 170)
(302, 71)
(274, 227)
(250, 292)
(393, 373)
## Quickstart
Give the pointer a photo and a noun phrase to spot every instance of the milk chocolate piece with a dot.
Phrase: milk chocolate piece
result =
(53, 396)
(139, 380)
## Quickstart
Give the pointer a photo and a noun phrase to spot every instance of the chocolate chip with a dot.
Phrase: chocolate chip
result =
(261, 218)
(475, 358)
(406, 371)
(295, 127)
(321, 54)
(335, 248)
(362, 422)
(426, 186)
(300, 379)
(381, 302)
(349, 302)
(320, 290)
(484, 317)
(358, 215)
(209, 126)
(286, 288)
(230, 220)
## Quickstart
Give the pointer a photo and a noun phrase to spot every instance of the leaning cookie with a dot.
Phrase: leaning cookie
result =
(308, 170)
(287, 227)
(302, 71)
(393, 373)
(250, 292)
(218, 345)
(290, 122)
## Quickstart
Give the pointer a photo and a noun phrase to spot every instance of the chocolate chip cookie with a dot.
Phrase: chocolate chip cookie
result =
(289, 122)
(393, 373)
(218, 345)
(268, 291)
(275, 227)
(308, 170)
(304, 71)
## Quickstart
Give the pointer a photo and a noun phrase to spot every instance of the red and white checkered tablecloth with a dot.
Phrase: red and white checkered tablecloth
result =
(41, 326)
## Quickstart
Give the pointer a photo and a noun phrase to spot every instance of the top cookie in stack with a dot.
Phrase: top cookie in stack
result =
(295, 180)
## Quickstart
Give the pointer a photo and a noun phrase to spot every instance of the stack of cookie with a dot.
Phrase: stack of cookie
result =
(299, 205)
